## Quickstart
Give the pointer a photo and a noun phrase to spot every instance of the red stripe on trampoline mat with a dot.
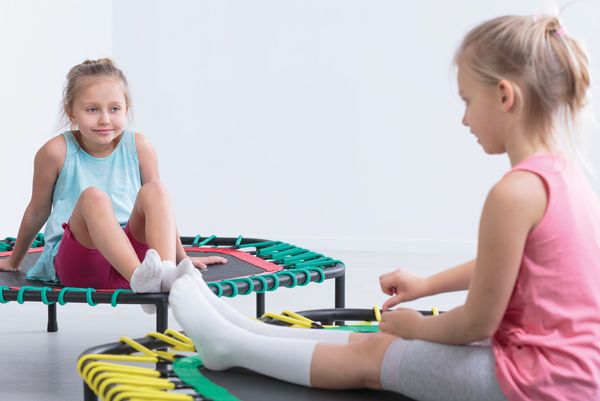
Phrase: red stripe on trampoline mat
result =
(32, 250)
(245, 256)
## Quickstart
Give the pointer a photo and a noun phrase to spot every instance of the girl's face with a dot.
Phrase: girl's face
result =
(483, 112)
(99, 110)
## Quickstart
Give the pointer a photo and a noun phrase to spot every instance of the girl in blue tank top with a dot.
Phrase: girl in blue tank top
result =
(109, 222)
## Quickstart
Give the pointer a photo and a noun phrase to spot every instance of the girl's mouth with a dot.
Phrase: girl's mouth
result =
(103, 131)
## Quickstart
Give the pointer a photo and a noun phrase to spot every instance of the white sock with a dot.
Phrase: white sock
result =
(172, 272)
(147, 277)
(233, 316)
(155, 275)
(222, 345)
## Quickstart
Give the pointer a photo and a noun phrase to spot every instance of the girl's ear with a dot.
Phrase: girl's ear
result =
(506, 94)
(70, 116)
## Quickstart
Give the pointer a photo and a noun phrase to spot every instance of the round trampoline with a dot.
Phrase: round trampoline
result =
(254, 266)
(173, 371)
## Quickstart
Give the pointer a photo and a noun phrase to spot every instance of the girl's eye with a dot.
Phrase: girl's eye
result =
(90, 109)
(116, 108)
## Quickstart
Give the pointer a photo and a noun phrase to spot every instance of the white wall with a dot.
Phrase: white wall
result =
(40, 41)
(332, 124)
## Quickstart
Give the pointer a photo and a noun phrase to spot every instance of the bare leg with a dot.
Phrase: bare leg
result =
(152, 221)
(353, 365)
(94, 225)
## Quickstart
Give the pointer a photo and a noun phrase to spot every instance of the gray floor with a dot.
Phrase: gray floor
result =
(36, 365)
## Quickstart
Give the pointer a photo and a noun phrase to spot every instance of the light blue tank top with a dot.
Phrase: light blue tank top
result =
(118, 175)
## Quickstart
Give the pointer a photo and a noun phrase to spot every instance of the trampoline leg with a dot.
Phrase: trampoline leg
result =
(88, 394)
(52, 322)
(162, 315)
(162, 323)
(340, 291)
(260, 304)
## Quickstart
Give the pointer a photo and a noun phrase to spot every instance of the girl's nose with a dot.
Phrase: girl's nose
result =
(104, 118)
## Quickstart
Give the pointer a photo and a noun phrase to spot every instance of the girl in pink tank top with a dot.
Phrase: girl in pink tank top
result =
(534, 287)
(547, 345)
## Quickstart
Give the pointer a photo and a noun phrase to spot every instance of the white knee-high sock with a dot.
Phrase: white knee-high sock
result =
(222, 345)
(236, 318)
(172, 273)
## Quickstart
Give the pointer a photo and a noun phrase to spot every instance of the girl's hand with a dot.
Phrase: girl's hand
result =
(5, 266)
(402, 286)
(203, 262)
(401, 322)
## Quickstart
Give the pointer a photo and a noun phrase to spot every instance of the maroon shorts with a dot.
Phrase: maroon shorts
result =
(78, 266)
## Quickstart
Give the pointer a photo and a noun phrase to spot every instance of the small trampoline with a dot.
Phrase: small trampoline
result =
(113, 372)
(254, 266)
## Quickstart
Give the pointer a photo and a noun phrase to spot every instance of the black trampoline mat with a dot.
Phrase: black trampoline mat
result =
(234, 268)
(250, 386)
(18, 279)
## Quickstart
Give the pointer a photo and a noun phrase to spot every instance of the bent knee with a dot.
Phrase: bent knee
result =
(154, 188)
(94, 196)
(154, 185)
(375, 343)
(373, 348)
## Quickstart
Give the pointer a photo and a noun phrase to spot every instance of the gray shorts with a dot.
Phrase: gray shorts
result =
(429, 371)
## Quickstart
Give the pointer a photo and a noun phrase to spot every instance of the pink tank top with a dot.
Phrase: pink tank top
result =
(547, 346)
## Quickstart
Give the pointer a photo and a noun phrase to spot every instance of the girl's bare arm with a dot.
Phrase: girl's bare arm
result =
(514, 206)
(404, 286)
(453, 279)
(47, 165)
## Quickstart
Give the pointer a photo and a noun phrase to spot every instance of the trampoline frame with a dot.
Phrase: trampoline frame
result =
(119, 348)
(161, 300)
(325, 316)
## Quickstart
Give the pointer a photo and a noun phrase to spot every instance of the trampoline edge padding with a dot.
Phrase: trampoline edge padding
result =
(277, 275)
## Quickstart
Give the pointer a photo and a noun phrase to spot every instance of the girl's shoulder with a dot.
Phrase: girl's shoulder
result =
(146, 157)
(54, 150)
(520, 183)
(56, 143)
(520, 186)
(523, 190)
(142, 144)
(140, 139)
